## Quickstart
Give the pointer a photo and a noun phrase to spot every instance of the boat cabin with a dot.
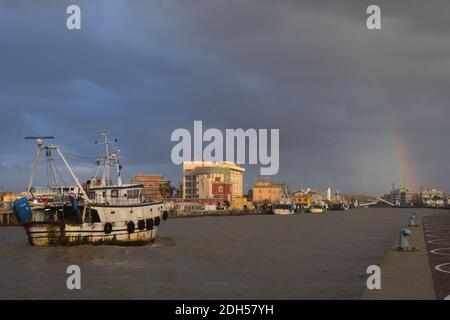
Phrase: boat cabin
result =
(125, 195)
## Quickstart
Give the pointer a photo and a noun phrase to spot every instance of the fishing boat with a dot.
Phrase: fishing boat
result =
(339, 206)
(100, 212)
(284, 206)
(318, 208)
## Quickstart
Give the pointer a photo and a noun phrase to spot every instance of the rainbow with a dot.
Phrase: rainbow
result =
(405, 166)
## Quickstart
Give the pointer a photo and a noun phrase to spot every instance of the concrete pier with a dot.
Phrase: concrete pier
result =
(405, 275)
(7, 218)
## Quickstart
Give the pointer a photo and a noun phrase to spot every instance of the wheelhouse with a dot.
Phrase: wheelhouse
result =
(116, 195)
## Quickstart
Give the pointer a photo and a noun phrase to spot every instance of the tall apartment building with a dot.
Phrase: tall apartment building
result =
(212, 180)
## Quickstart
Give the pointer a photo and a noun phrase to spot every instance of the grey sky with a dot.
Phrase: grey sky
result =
(356, 109)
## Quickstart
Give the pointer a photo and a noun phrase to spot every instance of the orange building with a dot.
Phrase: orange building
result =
(301, 198)
(3, 194)
(267, 191)
(10, 197)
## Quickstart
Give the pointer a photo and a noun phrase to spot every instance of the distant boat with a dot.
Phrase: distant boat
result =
(317, 208)
(284, 206)
(98, 213)
(339, 206)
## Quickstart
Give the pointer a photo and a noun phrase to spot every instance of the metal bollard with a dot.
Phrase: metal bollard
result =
(413, 221)
(403, 244)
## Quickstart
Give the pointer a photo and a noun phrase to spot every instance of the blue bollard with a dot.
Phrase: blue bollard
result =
(403, 243)
(412, 221)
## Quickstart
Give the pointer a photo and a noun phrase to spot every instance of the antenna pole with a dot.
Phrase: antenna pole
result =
(107, 157)
(106, 164)
(33, 172)
(119, 177)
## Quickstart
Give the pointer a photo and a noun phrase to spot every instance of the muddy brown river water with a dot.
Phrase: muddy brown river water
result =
(302, 256)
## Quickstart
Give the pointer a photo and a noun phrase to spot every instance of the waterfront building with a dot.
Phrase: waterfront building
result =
(432, 197)
(155, 186)
(267, 191)
(213, 181)
(241, 203)
(5, 194)
(404, 197)
(301, 198)
(316, 195)
(10, 197)
(194, 206)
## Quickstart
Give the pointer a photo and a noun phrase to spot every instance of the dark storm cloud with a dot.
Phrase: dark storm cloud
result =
(336, 90)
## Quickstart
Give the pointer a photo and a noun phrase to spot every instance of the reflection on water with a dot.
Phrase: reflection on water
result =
(248, 257)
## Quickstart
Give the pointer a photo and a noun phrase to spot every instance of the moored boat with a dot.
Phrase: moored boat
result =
(339, 206)
(318, 208)
(284, 206)
(100, 212)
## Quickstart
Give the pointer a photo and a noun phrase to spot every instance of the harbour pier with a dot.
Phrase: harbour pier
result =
(7, 218)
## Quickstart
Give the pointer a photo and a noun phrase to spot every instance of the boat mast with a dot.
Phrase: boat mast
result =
(110, 159)
(105, 176)
(40, 147)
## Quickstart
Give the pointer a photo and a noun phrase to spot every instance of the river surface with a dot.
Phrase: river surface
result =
(303, 256)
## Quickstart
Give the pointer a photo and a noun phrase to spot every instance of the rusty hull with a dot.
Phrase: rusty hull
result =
(43, 234)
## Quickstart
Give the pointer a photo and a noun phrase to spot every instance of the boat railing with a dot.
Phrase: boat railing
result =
(114, 201)
(53, 195)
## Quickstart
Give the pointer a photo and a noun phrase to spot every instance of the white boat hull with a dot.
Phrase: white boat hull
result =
(316, 210)
(282, 211)
(136, 225)
(57, 234)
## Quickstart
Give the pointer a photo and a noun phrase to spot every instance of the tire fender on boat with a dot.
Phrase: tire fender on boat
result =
(141, 225)
(157, 221)
(149, 223)
(165, 215)
(130, 226)
(108, 228)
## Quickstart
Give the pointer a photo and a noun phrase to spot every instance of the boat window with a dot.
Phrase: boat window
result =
(94, 216)
(114, 193)
(133, 194)
(92, 195)
(104, 194)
